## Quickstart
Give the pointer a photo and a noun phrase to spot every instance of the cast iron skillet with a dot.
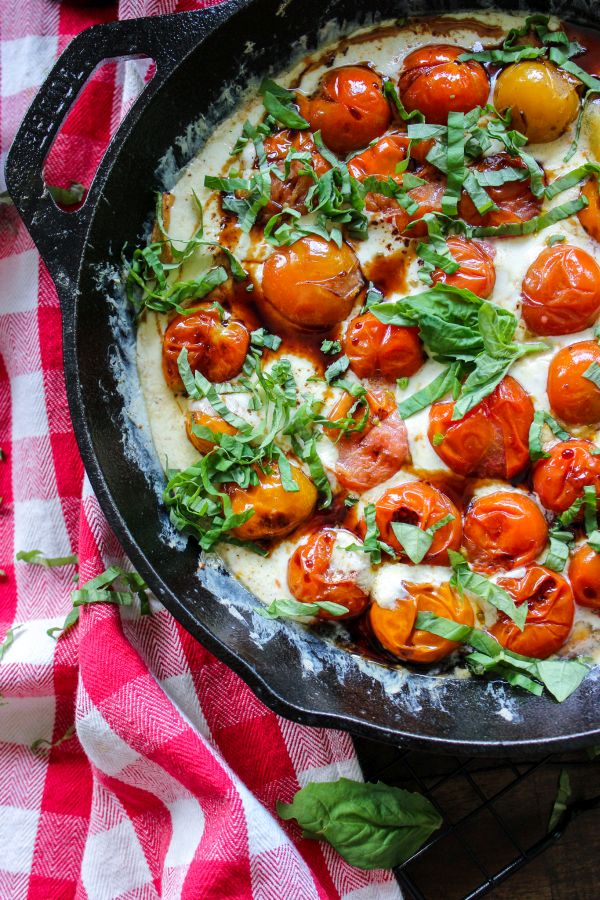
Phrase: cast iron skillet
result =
(300, 676)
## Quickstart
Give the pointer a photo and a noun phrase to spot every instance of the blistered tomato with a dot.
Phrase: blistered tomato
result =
(420, 504)
(573, 397)
(436, 83)
(395, 631)
(561, 291)
(560, 479)
(584, 575)
(276, 512)
(313, 575)
(504, 530)
(590, 215)
(349, 108)
(550, 612)
(216, 349)
(291, 192)
(202, 419)
(492, 440)
(312, 284)
(542, 98)
(514, 199)
(476, 272)
(391, 351)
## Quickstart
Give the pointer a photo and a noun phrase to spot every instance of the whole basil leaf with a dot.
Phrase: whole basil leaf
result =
(372, 826)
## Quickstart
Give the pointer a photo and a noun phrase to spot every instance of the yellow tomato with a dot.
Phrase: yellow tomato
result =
(543, 99)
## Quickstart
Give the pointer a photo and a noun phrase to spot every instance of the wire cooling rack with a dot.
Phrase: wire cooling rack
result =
(495, 812)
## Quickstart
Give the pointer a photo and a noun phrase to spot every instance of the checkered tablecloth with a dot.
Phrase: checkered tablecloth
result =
(133, 764)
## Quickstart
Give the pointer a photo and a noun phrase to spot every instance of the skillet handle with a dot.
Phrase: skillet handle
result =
(166, 40)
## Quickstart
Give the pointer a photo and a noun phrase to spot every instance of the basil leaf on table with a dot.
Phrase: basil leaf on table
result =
(37, 558)
(372, 826)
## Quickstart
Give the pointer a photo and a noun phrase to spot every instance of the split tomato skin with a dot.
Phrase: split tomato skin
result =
(492, 440)
(584, 575)
(561, 291)
(276, 512)
(574, 398)
(375, 349)
(477, 272)
(216, 349)
(311, 578)
(504, 530)
(551, 610)
(559, 479)
(434, 82)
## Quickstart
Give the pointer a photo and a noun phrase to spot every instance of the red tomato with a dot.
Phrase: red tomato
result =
(213, 422)
(476, 273)
(216, 349)
(561, 291)
(381, 161)
(573, 398)
(373, 348)
(369, 457)
(276, 512)
(550, 612)
(313, 284)
(349, 108)
(434, 82)
(560, 479)
(514, 199)
(311, 577)
(590, 215)
(492, 440)
(504, 530)
(292, 191)
(584, 573)
(418, 503)
(395, 631)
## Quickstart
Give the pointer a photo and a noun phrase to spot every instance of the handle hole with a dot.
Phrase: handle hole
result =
(92, 120)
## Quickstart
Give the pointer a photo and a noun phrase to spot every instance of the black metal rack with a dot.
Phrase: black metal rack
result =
(493, 822)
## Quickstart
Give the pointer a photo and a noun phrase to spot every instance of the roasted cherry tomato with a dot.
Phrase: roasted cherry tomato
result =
(395, 631)
(312, 284)
(514, 199)
(561, 291)
(313, 576)
(542, 98)
(381, 161)
(504, 530)
(349, 108)
(428, 198)
(560, 479)
(371, 456)
(590, 215)
(206, 420)
(420, 504)
(573, 398)
(436, 83)
(216, 349)
(476, 273)
(276, 512)
(584, 574)
(492, 440)
(291, 192)
(550, 612)
(373, 348)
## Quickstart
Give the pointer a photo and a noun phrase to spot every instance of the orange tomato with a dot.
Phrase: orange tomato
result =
(504, 530)
(381, 161)
(369, 457)
(216, 349)
(395, 631)
(434, 82)
(560, 479)
(373, 348)
(311, 578)
(590, 215)
(313, 284)
(277, 512)
(514, 199)
(349, 108)
(573, 398)
(476, 273)
(550, 612)
(584, 574)
(428, 198)
(420, 504)
(292, 191)
(492, 440)
(561, 291)
(207, 420)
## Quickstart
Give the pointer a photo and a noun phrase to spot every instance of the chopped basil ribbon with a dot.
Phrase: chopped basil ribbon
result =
(569, 515)
(590, 514)
(436, 390)
(416, 541)
(371, 543)
(37, 558)
(553, 239)
(287, 609)
(282, 234)
(372, 826)
(498, 177)
(435, 253)
(540, 419)
(391, 94)
(464, 579)
(571, 179)
(455, 163)
(282, 105)
(331, 347)
(592, 373)
(336, 369)
(560, 677)
(372, 297)
(594, 541)
(503, 56)
(532, 226)
(558, 552)
(482, 201)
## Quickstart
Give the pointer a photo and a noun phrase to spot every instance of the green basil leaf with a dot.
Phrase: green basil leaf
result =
(372, 826)
(331, 348)
(567, 517)
(594, 541)
(541, 418)
(553, 239)
(561, 677)
(504, 57)
(414, 540)
(67, 196)
(37, 558)
(592, 373)
(482, 381)
(455, 163)
(281, 104)
(336, 369)
(465, 579)
(532, 226)
(482, 201)
(434, 391)
(558, 552)
(590, 514)
(391, 93)
(571, 179)
(287, 609)
(563, 795)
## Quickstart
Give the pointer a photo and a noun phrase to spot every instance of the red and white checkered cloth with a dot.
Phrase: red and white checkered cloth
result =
(161, 768)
